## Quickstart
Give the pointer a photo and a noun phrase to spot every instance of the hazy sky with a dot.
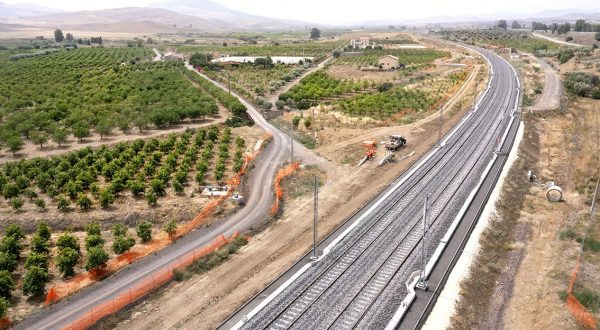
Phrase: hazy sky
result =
(340, 11)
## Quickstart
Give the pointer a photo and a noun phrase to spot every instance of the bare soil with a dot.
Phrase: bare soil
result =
(550, 260)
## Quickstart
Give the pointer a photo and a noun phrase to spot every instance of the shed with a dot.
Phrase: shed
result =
(172, 56)
(388, 62)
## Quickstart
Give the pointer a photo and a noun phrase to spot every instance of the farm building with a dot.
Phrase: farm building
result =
(388, 62)
(172, 56)
(361, 43)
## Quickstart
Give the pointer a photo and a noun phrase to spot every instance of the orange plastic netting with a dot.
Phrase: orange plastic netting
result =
(149, 283)
(574, 306)
(282, 173)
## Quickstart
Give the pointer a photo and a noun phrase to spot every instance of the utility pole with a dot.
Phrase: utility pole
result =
(229, 82)
(422, 284)
(292, 141)
(498, 150)
(315, 219)
(440, 129)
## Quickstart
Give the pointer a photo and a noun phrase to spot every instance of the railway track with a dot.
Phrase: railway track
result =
(360, 282)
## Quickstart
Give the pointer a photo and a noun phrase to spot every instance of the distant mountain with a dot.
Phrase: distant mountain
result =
(24, 10)
(236, 19)
(110, 19)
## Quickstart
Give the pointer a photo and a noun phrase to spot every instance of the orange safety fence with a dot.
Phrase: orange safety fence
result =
(5, 323)
(160, 241)
(282, 173)
(151, 282)
(579, 312)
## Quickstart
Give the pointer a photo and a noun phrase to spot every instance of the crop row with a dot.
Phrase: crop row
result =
(319, 85)
(408, 57)
(142, 168)
(311, 48)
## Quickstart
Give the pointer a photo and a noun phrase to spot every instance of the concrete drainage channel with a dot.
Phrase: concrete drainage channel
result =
(255, 305)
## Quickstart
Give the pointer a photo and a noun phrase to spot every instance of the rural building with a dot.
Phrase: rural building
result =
(172, 56)
(361, 43)
(388, 62)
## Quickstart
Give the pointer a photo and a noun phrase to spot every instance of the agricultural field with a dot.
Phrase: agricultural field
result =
(309, 49)
(143, 169)
(253, 81)
(411, 58)
(520, 40)
(72, 92)
(319, 85)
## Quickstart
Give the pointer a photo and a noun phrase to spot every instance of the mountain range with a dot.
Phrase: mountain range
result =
(170, 16)
(208, 16)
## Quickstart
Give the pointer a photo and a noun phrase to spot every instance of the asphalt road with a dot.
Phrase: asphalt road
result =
(360, 279)
(259, 200)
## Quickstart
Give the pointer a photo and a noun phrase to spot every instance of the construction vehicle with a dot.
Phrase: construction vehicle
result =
(395, 142)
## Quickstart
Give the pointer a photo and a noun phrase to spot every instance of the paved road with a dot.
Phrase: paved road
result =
(360, 279)
(260, 181)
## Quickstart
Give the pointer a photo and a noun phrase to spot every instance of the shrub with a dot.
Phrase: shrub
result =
(84, 202)
(151, 198)
(8, 262)
(37, 259)
(119, 230)
(43, 231)
(62, 203)
(39, 244)
(14, 231)
(40, 203)
(67, 241)
(93, 229)
(171, 228)
(66, 260)
(122, 244)
(96, 257)
(11, 245)
(144, 231)
(7, 284)
(34, 282)
(16, 203)
(4, 304)
(92, 241)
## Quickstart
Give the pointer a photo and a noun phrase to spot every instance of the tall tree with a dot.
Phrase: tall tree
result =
(58, 35)
(69, 37)
(502, 24)
(315, 33)
(515, 25)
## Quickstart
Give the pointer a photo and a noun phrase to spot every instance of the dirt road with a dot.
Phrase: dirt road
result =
(556, 40)
(550, 98)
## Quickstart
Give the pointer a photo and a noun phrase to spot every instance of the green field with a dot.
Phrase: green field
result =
(75, 91)
(319, 85)
(408, 57)
(143, 168)
(310, 49)
(253, 81)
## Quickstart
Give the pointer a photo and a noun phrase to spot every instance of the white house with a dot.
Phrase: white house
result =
(172, 56)
(388, 62)
(361, 43)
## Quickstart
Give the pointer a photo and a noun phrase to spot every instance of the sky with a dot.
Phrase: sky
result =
(346, 11)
